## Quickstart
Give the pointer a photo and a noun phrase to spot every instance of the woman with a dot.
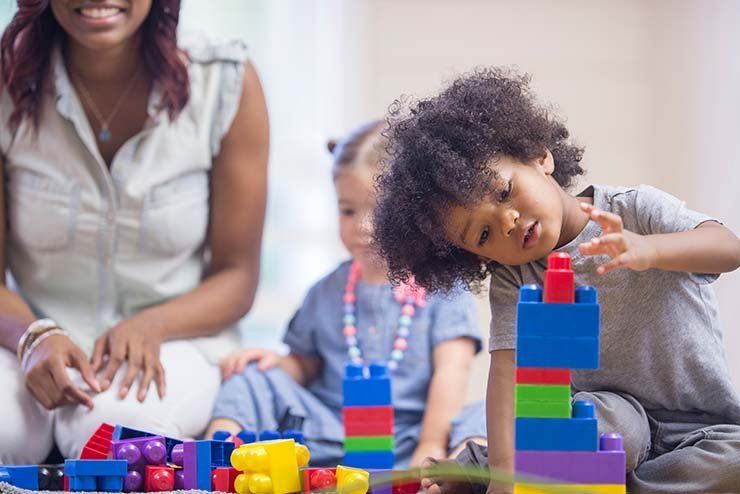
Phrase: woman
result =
(134, 178)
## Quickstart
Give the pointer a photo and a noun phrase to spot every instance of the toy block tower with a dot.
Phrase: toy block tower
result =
(368, 416)
(558, 443)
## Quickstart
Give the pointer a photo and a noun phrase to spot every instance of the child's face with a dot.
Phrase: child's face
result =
(356, 200)
(521, 223)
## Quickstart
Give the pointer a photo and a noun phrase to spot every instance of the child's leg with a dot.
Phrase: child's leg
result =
(622, 413)
(690, 458)
(260, 401)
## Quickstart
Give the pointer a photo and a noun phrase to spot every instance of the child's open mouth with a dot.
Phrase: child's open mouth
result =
(531, 235)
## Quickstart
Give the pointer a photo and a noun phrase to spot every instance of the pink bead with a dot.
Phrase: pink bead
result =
(349, 298)
(408, 310)
(350, 331)
(400, 344)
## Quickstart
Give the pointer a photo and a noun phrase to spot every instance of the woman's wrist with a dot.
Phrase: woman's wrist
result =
(32, 333)
(37, 341)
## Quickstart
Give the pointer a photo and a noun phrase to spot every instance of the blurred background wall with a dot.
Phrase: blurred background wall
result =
(652, 89)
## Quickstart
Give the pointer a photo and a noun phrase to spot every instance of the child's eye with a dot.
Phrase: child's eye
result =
(347, 212)
(506, 193)
(483, 236)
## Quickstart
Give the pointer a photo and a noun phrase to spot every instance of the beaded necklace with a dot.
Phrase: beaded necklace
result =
(407, 294)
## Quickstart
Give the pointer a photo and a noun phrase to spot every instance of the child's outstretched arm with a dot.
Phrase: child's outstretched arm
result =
(708, 248)
(500, 415)
(452, 361)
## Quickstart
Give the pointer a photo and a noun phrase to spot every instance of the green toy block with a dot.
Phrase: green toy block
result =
(543, 409)
(369, 443)
(543, 392)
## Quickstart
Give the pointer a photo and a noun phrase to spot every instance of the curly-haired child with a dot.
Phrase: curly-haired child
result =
(477, 187)
(354, 313)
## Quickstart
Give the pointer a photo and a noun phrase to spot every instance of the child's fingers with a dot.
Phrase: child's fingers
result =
(609, 222)
(618, 262)
(227, 368)
(267, 362)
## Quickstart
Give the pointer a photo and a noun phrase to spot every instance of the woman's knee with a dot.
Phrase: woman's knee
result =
(25, 428)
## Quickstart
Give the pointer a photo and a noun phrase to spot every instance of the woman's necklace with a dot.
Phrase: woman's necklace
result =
(104, 135)
(408, 295)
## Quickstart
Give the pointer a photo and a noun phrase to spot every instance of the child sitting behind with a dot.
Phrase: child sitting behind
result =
(355, 314)
(477, 186)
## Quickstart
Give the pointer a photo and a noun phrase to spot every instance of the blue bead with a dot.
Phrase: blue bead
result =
(354, 352)
(403, 332)
(405, 321)
(397, 354)
(349, 308)
(349, 320)
(104, 134)
(351, 341)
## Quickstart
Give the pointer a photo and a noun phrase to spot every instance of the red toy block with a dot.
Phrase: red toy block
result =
(559, 282)
(98, 445)
(66, 483)
(318, 479)
(368, 421)
(541, 375)
(159, 478)
(406, 487)
(222, 479)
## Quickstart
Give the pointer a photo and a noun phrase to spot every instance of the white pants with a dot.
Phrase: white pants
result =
(27, 430)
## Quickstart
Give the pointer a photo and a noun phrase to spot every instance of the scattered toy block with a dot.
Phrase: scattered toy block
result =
(352, 480)
(359, 390)
(269, 466)
(23, 476)
(98, 445)
(51, 477)
(159, 478)
(92, 475)
(140, 451)
(318, 480)
(197, 464)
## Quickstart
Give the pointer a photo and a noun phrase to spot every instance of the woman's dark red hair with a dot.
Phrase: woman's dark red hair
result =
(26, 45)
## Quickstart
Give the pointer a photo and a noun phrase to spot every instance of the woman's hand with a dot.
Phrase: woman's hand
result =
(46, 373)
(235, 362)
(627, 249)
(136, 341)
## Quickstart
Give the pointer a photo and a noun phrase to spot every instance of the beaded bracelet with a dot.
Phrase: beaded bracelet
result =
(38, 340)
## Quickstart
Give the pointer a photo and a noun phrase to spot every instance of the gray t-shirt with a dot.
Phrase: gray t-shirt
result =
(660, 335)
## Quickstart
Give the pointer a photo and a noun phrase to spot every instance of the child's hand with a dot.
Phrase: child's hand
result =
(427, 449)
(627, 249)
(235, 363)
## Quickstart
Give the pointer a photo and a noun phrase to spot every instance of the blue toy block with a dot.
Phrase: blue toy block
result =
(293, 434)
(110, 484)
(580, 320)
(369, 459)
(4, 475)
(95, 468)
(23, 476)
(221, 435)
(247, 436)
(197, 464)
(374, 390)
(221, 453)
(560, 352)
(269, 435)
(539, 434)
(86, 483)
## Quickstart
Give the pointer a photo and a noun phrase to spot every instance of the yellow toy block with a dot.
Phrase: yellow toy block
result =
(352, 480)
(570, 489)
(270, 467)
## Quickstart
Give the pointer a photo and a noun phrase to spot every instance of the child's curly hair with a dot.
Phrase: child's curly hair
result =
(440, 151)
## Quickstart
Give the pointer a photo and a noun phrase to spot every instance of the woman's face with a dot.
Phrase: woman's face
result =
(101, 24)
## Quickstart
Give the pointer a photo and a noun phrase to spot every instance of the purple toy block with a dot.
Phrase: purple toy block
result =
(141, 451)
(578, 467)
(178, 453)
(133, 481)
(179, 480)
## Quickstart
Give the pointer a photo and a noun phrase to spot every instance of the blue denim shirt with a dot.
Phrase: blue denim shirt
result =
(316, 330)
